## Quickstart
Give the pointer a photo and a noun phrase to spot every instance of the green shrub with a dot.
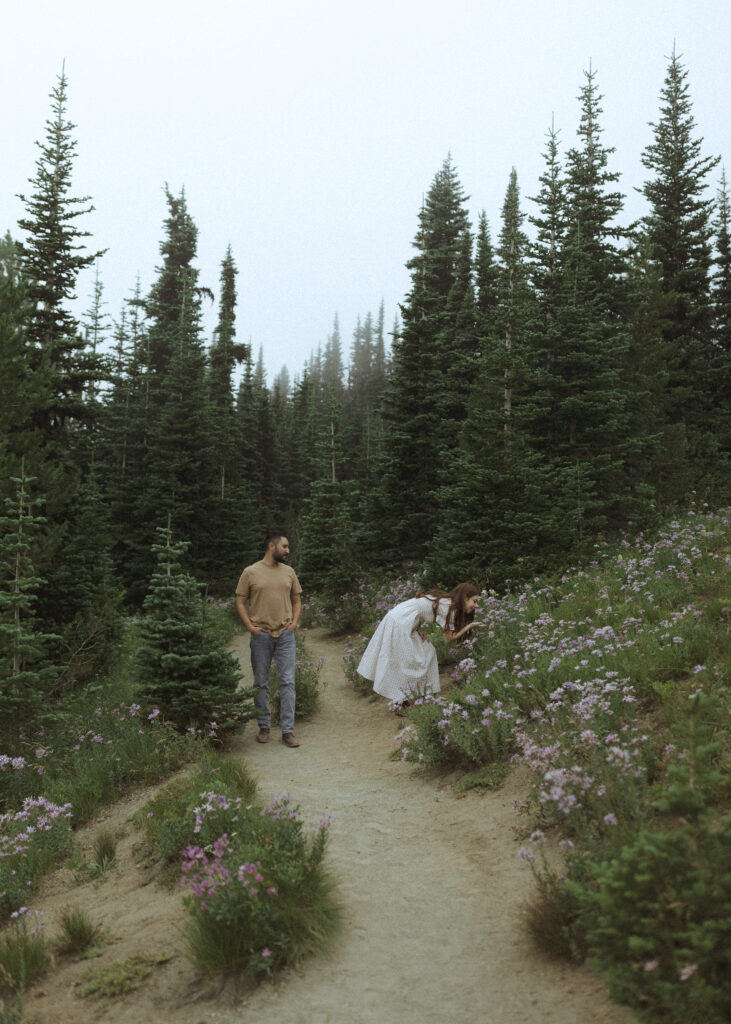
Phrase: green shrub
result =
(354, 649)
(78, 931)
(181, 667)
(24, 955)
(657, 914)
(307, 684)
(658, 923)
(112, 981)
(33, 840)
(104, 851)
(169, 819)
(257, 890)
(259, 896)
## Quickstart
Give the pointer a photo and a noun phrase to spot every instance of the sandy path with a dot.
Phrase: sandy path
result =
(432, 889)
(431, 884)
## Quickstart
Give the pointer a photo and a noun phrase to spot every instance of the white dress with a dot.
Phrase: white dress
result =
(399, 662)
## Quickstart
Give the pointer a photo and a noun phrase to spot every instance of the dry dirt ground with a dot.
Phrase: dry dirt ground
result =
(431, 884)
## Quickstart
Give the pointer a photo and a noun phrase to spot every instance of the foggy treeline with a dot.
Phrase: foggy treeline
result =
(547, 381)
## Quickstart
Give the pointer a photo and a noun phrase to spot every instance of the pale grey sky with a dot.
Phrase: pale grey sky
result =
(305, 134)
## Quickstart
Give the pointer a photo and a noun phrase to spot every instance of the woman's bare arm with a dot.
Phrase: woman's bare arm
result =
(451, 637)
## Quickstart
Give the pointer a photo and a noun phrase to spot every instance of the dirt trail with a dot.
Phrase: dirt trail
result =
(431, 884)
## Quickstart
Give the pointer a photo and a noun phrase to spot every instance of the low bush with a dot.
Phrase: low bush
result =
(611, 684)
(115, 980)
(104, 850)
(24, 955)
(256, 887)
(32, 841)
(354, 649)
(78, 932)
(180, 665)
(259, 896)
(657, 911)
(307, 684)
(170, 819)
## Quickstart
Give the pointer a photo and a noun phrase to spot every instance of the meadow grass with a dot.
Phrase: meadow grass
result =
(308, 684)
(170, 818)
(258, 893)
(95, 749)
(104, 851)
(88, 750)
(116, 980)
(78, 932)
(24, 953)
(259, 896)
(610, 683)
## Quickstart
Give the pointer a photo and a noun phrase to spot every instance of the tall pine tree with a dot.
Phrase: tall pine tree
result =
(679, 231)
(53, 253)
(413, 449)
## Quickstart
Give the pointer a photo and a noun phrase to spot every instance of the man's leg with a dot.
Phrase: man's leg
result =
(285, 656)
(262, 648)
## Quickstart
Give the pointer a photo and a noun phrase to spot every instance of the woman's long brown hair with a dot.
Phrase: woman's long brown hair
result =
(457, 617)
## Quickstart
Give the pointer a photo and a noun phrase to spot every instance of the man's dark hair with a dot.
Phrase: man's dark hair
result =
(274, 537)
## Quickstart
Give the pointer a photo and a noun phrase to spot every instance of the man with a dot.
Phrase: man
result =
(273, 593)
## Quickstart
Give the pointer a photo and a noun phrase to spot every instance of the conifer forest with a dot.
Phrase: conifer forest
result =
(547, 380)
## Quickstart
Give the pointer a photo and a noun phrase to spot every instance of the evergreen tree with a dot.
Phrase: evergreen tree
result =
(326, 559)
(720, 369)
(177, 474)
(550, 222)
(250, 423)
(228, 501)
(180, 667)
(332, 363)
(457, 352)
(590, 441)
(96, 327)
(548, 275)
(62, 363)
(655, 465)
(678, 228)
(124, 438)
(53, 254)
(281, 384)
(512, 306)
(486, 274)
(91, 626)
(594, 260)
(491, 507)
(413, 451)
(380, 362)
(26, 675)
(20, 392)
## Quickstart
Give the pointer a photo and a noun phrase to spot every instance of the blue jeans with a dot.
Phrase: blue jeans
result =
(283, 649)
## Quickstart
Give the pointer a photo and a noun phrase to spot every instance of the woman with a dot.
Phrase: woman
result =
(399, 658)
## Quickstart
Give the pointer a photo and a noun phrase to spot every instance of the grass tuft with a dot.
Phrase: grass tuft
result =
(78, 932)
(490, 776)
(24, 955)
(112, 981)
(105, 851)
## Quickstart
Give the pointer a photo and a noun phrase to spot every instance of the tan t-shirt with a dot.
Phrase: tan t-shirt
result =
(269, 590)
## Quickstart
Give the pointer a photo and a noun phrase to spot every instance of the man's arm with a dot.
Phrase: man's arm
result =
(244, 615)
(296, 611)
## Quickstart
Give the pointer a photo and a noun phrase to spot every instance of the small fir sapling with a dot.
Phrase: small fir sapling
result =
(180, 667)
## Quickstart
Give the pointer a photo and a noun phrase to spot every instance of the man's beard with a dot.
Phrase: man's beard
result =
(279, 557)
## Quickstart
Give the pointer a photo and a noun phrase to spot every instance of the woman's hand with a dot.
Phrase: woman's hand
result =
(422, 634)
(451, 637)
